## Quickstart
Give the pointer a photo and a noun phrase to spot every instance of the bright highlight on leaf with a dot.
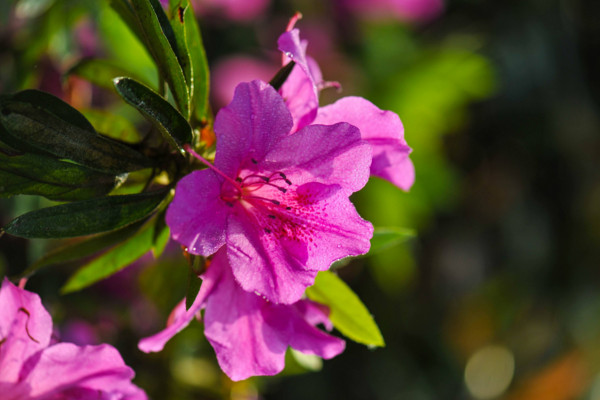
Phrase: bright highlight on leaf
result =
(347, 313)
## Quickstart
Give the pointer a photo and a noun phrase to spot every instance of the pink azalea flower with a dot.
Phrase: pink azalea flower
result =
(250, 335)
(31, 368)
(278, 202)
(383, 130)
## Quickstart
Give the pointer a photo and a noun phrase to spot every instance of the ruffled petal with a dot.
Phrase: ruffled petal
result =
(279, 252)
(68, 367)
(383, 130)
(327, 154)
(247, 129)
(197, 216)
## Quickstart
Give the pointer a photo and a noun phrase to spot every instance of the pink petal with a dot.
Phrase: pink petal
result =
(250, 126)
(250, 335)
(25, 328)
(197, 215)
(328, 154)
(383, 130)
(300, 90)
(65, 366)
(279, 256)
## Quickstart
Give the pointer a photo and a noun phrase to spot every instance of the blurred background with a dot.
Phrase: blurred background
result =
(498, 295)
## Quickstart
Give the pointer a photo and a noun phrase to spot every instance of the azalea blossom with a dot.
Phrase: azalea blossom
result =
(249, 334)
(31, 368)
(404, 10)
(383, 130)
(277, 201)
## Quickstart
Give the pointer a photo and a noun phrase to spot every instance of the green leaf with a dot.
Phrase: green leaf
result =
(200, 70)
(114, 259)
(51, 178)
(347, 313)
(160, 42)
(85, 217)
(113, 125)
(125, 11)
(171, 124)
(100, 72)
(384, 238)
(83, 248)
(194, 283)
(179, 45)
(57, 129)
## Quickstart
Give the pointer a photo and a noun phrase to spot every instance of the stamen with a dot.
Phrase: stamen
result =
(189, 149)
(254, 161)
(271, 216)
(267, 230)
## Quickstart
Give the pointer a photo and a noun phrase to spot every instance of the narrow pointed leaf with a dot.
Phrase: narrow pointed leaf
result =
(173, 126)
(125, 11)
(200, 70)
(59, 130)
(114, 260)
(281, 76)
(347, 312)
(100, 72)
(51, 178)
(180, 46)
(83, 248)
(194, 283)
(160, 41)
(85, 217)
(113, 125)
(384, 238)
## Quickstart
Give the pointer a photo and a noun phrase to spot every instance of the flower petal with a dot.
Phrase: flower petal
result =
(197, 216)
(328, 154)
(254, 121)
(25, 328)
(383, 130)
(278, 255)
(65, 367)
(250, 335)
(300, 90)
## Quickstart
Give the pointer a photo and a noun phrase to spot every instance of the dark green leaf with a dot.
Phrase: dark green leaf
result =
(85, 217)
(161, 234)
(157, 110)
(100, 72)
(347, 313)
(83, 248)
(113, 125)
(281, 76)
(150, 15)
(384, 238)
(113, 260)
(59, 130)
(51, 178)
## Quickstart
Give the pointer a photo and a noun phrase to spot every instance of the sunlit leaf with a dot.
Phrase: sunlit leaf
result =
(161, 44)
(85, 217)
(384, 238)
(83, 248)
(114, 259)
(173, 126)
(113, 125)
(347, 312)
(100, 72)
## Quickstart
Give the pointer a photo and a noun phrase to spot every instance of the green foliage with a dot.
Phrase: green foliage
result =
(115, 259)
(171, 124)
(160, 41)
(85, 217)
(50, 177)
(347, 313)
(39, 123)
(101, 72)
